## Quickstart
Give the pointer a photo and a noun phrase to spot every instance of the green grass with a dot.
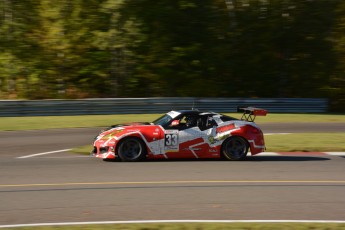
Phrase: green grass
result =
(85, 150)
(296, 142)
(274, 143)
(290, 142)
(300, 118)
(198, 226)
(61, 122)
(306, 142)
(51, 122)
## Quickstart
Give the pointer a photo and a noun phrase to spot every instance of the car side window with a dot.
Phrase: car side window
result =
(184, 122)
(210, 122)
(191, 121)
(206, 122)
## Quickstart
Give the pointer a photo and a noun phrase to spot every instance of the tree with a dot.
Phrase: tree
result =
(15, 26)
(336, 87)
(213, 48)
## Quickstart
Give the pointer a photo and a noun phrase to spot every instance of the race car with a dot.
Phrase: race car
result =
(184, 134)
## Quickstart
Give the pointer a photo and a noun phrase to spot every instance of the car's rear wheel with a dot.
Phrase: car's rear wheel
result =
(235, 148)
(131, 149)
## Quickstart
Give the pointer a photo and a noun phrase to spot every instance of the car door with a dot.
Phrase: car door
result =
(183, 139)
(208, 127)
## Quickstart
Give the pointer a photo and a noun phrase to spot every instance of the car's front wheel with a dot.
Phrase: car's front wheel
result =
(131, 149)
(235, 149)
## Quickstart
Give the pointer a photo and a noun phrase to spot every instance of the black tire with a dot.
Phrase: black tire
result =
(235, 148)
(131, 149)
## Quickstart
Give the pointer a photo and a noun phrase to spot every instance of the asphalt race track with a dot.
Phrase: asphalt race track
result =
(66, 187)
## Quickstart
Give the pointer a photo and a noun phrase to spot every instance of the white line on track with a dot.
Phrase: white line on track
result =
(68, 157)
(66, 150)
(269, 154)
(44, 153)
(339, 154)
(342, 154)
(171, 221)
(268, 134)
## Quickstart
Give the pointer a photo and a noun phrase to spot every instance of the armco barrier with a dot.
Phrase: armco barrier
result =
(10, 108)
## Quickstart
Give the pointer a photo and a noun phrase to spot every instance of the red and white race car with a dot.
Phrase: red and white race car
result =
(184, 134)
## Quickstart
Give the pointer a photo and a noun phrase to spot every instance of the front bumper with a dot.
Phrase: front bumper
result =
(103, 152)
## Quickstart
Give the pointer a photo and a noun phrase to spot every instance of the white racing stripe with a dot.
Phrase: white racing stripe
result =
(44, 153)
(171, 221)
(339, 154)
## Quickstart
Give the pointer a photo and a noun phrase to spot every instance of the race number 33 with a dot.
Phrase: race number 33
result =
(171, 139)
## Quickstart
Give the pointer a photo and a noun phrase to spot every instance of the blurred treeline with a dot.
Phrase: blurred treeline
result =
(144, 48)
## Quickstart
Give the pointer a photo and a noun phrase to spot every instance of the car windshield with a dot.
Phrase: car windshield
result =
(163, 120)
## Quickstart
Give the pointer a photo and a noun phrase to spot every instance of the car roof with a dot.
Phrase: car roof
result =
(195, 112)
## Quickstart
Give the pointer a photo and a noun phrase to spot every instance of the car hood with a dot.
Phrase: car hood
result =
(114, 129)
(129, 124)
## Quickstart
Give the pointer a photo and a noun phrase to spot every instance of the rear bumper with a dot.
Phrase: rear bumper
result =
(257, 146)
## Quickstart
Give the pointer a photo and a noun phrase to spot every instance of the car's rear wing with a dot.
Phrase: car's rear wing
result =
(250, 113)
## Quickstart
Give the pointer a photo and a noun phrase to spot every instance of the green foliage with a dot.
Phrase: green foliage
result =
(117, 48)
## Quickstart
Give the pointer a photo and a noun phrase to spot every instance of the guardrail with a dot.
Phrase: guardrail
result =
(10, 108)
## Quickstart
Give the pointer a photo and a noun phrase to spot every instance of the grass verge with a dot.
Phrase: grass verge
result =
(51, 122)
(296, 142)
(306, 142)
(62, 122)
(198, 226)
